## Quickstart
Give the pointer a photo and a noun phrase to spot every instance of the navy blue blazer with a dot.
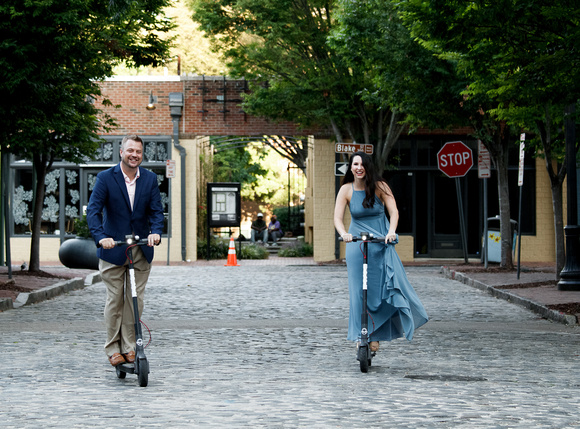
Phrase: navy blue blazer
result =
(109, 212)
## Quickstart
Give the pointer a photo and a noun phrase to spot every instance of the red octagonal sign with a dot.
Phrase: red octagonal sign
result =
(455, 159)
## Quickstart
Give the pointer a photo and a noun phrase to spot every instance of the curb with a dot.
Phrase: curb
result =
(5, 304)
(48, 292)
(536, 307)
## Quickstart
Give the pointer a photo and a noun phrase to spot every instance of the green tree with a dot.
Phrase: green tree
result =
(524, 56)
(238, 165)
(52, 55)
(280, 47)
(426, 88)
(191, 50)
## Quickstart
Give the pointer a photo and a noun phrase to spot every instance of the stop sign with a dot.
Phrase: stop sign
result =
(455, 159)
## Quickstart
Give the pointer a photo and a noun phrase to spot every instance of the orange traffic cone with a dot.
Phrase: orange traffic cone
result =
(232, 259)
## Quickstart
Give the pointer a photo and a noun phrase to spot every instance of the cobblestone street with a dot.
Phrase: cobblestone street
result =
(265, 346)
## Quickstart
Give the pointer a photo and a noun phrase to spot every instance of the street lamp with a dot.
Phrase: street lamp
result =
(570, 275)
(152, 101)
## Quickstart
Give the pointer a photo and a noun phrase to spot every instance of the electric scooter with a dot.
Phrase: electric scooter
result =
(364, 353)
(141, 366)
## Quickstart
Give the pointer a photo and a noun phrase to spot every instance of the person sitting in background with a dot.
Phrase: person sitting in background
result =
(274, 230)
(259, 230)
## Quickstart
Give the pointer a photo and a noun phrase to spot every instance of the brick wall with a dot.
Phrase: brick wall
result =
(322, 172)
(542, 246)
(203, 113)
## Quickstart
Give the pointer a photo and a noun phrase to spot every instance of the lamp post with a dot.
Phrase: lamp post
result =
(570, 275)
(176, 106)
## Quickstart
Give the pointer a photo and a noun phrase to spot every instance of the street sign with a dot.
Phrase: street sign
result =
(353, 147)
(483, 161)
(340, 168)
(170, 168)
(455, 159)
(522, 155)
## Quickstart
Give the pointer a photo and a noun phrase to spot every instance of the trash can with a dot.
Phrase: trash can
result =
(493, 241)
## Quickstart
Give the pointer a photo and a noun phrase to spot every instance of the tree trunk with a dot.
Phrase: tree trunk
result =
(40, 168)
(384, 146)
(498, 146)
(557, 174)
(504, 211)
(557, 205)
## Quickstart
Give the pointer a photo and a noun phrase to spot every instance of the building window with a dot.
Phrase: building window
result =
(68, 186)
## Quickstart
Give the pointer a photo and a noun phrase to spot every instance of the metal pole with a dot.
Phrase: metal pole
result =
(169, 221)
(208, 211)
(289, 225)
(485, 230)
(570, 275)
(461, 218)
(520, 231)
(6, 206)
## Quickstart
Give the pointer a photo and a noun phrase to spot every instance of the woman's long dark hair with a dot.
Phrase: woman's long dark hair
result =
(371, 178)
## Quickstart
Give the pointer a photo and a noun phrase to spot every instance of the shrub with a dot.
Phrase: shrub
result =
(218, 248)
(300, 249)
(82, 227)
(253, 251)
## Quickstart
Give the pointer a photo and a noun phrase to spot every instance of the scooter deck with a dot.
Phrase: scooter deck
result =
(126, 367)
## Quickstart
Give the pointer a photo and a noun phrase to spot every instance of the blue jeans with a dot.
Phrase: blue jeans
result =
(276, 235)
(259, 235)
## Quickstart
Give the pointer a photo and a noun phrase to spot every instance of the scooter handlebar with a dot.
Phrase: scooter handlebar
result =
(369, 238)
(132, 241)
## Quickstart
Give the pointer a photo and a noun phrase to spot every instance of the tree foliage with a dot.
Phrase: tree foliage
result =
(52, 55)
(282, 48)
(521, 54)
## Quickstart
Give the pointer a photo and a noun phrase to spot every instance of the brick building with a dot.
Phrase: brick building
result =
(210, 107)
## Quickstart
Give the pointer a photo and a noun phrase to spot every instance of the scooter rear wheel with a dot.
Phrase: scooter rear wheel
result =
(120, 374)
(143, 372)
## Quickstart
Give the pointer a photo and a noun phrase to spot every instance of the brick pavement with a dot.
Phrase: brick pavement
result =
(266, 347)
(536, 289)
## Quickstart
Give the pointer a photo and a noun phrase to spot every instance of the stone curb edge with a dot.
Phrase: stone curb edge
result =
(536, 307)
(26, 298)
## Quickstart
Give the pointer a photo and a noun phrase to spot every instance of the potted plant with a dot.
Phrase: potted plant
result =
(81, 251)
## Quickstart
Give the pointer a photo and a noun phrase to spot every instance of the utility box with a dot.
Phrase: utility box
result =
(493, 240)
(175, 103)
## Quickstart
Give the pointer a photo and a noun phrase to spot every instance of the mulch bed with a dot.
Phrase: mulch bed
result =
(26, 281)
(570, 308)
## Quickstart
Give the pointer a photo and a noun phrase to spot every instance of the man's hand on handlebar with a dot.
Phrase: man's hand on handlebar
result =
(153, 240)
(107, 243)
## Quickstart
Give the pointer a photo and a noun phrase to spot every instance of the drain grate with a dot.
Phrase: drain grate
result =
(444, 377)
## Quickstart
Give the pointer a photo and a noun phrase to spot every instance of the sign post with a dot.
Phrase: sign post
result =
(455, 159)
(169, 174)
(484, 172)
(520, 184)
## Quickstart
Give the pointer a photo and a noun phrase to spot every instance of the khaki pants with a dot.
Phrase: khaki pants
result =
(119, 305)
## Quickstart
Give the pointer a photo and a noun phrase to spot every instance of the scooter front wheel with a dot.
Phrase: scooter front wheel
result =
(143, 375)
(120, 374)
(363, 358)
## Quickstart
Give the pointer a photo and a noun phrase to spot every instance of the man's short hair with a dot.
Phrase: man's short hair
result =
(133, 137)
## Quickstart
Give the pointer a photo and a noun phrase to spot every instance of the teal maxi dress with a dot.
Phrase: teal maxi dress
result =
(393, 305)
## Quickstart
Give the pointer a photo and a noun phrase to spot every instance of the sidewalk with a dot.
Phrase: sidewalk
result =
(536, 289)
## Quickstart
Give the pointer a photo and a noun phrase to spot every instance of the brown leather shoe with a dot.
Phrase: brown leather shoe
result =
(129, 357)
(116, 359)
